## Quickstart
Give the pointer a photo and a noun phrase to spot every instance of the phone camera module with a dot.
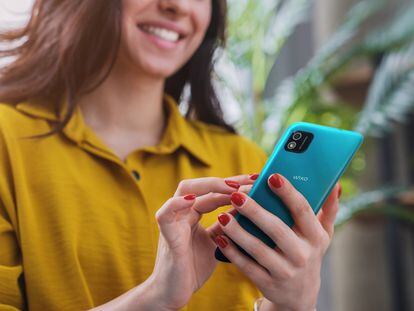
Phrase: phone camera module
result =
(297, 136)
(291, 145)
(299, 141)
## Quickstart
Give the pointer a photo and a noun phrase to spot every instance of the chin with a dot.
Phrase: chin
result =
(158, 72)
(159, 68)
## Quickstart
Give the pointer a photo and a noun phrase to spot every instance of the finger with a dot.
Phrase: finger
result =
(251, 269)
(283, 236)
(264, 255)
(206, 204)
(201, 186)
(215, 229)
(210, 202)
(246, 179)
(329, 210)
(167, 214)
(302, 213)
(245, 188)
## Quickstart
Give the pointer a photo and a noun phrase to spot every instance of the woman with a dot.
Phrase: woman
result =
(104, 182)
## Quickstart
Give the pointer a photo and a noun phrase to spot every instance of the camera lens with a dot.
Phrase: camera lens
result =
(291, 145)
(297, 136)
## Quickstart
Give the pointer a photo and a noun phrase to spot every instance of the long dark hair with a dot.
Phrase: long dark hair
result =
(55, 58)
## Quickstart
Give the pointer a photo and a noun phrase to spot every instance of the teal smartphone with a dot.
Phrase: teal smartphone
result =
(313, 158)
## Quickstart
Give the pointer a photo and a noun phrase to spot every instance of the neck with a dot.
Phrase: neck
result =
(126, 101)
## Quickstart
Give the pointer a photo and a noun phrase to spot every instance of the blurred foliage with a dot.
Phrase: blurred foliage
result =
(258, 29)
(373, 202)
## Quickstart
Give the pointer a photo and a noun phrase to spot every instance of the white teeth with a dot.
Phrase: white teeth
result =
(162, 33)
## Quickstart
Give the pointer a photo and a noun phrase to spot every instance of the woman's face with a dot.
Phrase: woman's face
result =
(160, 36)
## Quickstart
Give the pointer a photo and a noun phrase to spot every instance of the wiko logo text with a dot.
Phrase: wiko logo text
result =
(301, 178)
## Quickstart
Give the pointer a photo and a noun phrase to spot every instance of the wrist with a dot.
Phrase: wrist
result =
(149, 297)
(267, 305)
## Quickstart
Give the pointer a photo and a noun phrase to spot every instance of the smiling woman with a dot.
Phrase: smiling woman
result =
(104, 182)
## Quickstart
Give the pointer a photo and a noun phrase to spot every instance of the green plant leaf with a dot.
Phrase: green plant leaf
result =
(390, 96)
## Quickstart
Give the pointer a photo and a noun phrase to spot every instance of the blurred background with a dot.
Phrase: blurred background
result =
(343, 63)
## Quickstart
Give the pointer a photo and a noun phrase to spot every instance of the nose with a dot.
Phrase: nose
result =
(176, 7)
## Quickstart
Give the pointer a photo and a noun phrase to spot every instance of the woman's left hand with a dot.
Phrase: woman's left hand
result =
(289, 275)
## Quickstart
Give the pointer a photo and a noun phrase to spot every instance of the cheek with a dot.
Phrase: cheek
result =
(201, 23)
(135, 49)
(202, 19)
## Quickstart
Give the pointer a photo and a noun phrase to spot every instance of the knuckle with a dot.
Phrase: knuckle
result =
(325, 241)
(184, 186)
(246, 266)
(286, 274)
(158, 216)
(268, 283)
(215, 196)
(321, 238)
(302, 259)
(257, 250)
(301, 207)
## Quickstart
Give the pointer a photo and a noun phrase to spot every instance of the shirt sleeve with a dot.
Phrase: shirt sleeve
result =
(11, 269)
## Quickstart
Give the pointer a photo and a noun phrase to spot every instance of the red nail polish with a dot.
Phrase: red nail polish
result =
(237, 198)
(223, 219)
(221, 242)
(276, 181)
(190, 197)
(254, 176)
(232, 184)
(339, 191)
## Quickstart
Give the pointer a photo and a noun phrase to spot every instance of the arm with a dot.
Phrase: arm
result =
(145, 296)
(185, 255)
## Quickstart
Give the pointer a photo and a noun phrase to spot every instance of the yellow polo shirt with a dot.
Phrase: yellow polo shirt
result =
(77, 225)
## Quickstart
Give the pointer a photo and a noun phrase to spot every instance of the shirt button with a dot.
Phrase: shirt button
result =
(137, 176)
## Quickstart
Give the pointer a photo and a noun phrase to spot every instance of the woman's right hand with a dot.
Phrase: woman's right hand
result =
(185, 256)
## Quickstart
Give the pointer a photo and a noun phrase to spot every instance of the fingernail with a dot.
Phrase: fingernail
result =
(254, 176)
(190, 197)
(237, 198)
(232, 184)
(221, 242)
(276, 181)
(223, 219)
(339, 191)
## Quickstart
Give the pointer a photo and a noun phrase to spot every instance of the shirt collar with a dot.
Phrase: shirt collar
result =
(183, 132)
(43, 110)
(179, 131)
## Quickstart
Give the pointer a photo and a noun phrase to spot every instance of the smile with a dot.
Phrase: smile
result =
(162, 33)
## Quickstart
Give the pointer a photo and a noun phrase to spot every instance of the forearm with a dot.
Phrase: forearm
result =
(267, 305)
(141, 298)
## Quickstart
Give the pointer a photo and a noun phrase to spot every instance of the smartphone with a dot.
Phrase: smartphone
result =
(313, 158)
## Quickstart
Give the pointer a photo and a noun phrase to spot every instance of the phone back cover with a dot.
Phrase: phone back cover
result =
(314, 172)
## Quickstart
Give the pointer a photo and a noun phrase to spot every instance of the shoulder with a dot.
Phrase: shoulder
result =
(230, 147)
(18, 123)
(9, 118)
